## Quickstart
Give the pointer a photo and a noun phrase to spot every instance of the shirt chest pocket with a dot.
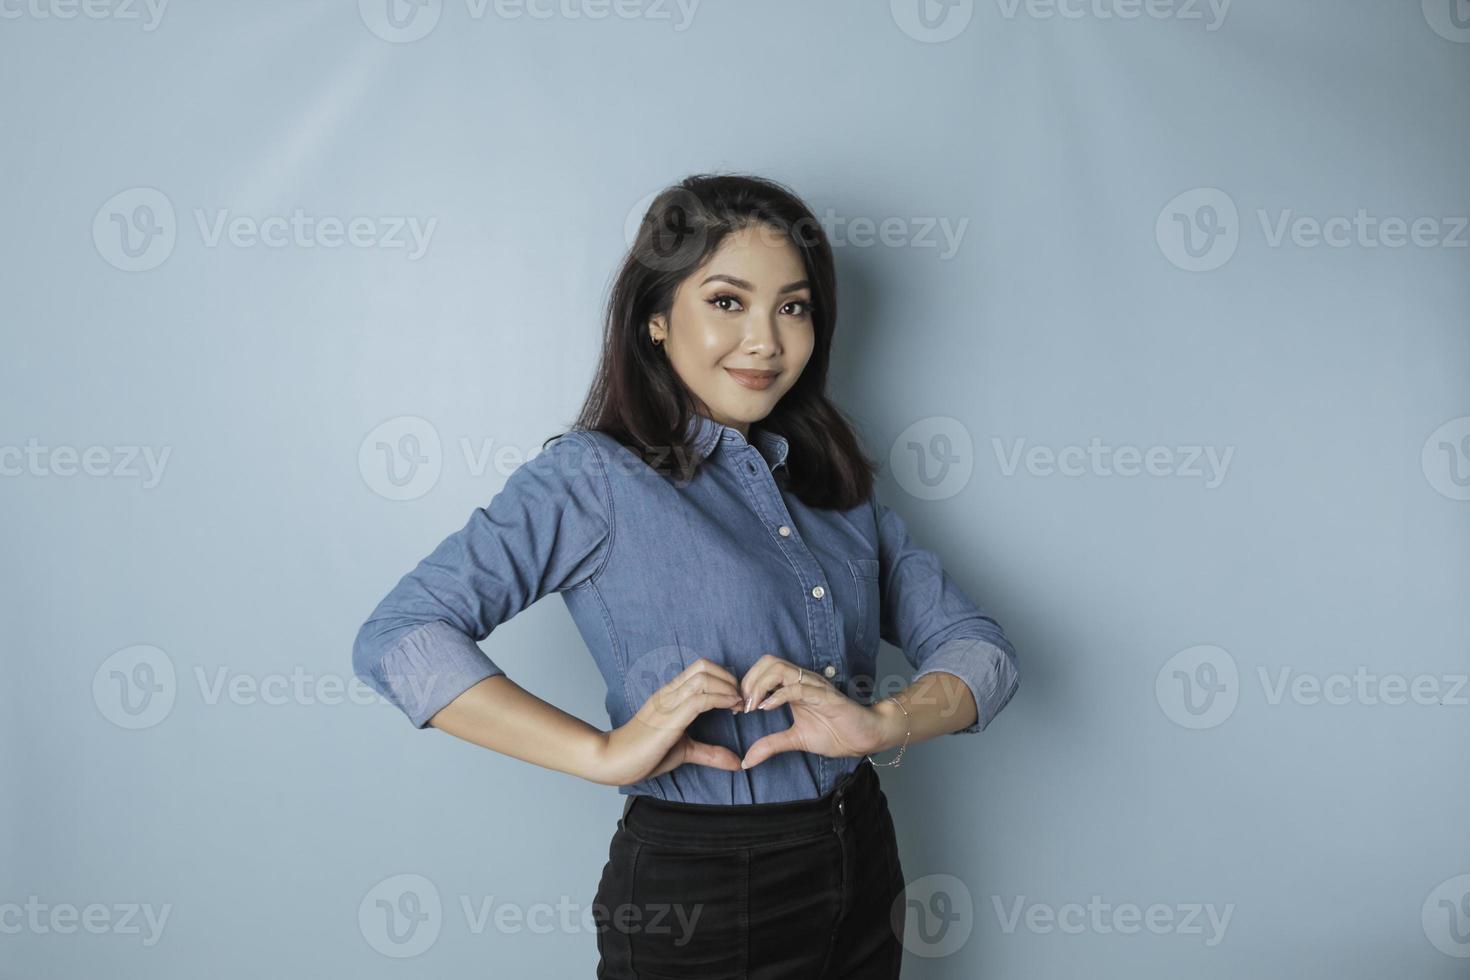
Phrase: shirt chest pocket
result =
(866, 601)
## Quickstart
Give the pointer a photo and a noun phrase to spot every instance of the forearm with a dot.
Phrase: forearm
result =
(937, 704)
(499, 714)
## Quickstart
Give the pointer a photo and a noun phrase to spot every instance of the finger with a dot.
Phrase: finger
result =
(688, 750)
(706, 666)
(761, 665)
(700, 694)
(669, 762)
(708, 684)
(768, 745)
(673, 696)
(674, 707)
(707, 675)
(761, 678)
(800, 693)
(716, 756)
(778, 675)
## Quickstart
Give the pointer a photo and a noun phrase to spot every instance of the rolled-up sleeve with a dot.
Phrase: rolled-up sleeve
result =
(936, 625)
(548, 529)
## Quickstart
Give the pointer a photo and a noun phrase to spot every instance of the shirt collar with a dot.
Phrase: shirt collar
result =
(706, 433)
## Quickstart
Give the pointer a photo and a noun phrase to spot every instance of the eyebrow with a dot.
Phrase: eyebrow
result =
(732, 280)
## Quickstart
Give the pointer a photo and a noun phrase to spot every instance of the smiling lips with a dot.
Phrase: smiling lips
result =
(753, 379)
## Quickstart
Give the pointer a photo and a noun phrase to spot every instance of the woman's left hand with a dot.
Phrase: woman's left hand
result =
(824, 720)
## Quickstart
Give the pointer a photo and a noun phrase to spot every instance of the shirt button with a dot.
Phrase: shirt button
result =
(784, 531)
(829, 670)
(818, 591)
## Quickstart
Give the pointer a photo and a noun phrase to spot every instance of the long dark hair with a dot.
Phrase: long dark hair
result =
(637, 397)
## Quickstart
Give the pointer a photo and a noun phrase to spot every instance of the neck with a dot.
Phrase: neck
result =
(742, 427)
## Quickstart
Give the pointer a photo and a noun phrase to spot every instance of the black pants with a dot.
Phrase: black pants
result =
(809, 889)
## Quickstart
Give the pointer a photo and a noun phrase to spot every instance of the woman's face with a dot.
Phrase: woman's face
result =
(740, 330)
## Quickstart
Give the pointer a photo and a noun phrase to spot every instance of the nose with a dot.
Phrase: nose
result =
(761, 335)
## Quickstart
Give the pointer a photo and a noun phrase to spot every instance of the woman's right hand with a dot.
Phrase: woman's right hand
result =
(656, 740)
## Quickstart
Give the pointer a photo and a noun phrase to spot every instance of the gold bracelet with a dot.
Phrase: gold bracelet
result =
(905, 744)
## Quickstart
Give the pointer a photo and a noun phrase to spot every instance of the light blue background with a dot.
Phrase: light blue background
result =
(1331, 544)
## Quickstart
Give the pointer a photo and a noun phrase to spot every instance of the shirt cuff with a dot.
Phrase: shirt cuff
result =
(987, 669)
(430, 667)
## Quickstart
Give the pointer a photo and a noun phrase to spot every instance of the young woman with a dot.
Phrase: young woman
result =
(711, 523)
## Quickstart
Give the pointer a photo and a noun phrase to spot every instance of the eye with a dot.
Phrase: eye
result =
(719, 298)
(806, 307)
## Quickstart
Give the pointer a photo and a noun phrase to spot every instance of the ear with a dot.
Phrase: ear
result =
(658, 327)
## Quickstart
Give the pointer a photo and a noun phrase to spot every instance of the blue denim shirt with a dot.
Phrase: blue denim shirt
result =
(657, 573)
